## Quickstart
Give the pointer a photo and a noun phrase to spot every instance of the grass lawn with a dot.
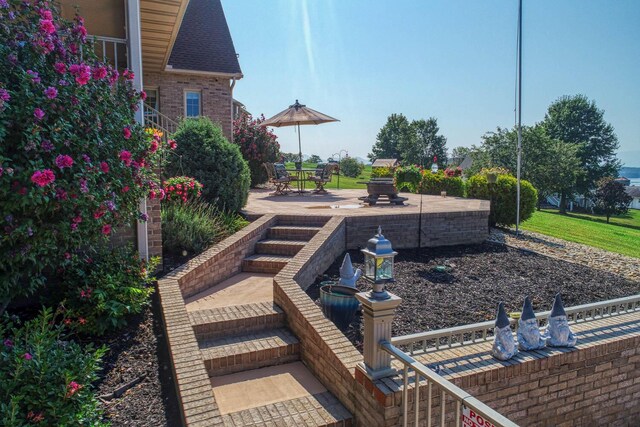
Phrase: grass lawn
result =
(621, 235)
(345, 181)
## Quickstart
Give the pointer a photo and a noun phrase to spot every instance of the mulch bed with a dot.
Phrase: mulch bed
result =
(138, 358)
(480, 276)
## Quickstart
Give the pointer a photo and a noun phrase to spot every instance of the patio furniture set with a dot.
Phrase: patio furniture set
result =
(282, 178)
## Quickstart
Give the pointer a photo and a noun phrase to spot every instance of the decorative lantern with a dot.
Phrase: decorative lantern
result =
(378, 264)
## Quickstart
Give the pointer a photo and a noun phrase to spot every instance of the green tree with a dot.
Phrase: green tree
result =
(458, 154)
(611, 198)
(561, 170)
(395, 133)
(351, 167)
(314, 158)
(425, 144)
(577, 120)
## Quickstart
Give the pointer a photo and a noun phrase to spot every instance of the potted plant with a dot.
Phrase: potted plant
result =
(339, 303)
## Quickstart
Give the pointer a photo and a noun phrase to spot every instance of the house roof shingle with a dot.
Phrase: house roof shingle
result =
(633, 190)
(204, 42)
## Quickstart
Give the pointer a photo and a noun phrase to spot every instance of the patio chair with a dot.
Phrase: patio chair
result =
(322, 176)
(278, 179)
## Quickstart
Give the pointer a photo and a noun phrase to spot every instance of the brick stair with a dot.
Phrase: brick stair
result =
(228, 321)
(240, 353)
(280, 246)
(293, 232)
(265, 263)
(251, 357)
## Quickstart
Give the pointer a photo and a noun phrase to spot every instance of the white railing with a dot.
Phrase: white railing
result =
(445, 390)
(111, 49)
(425, 342)
(155, 119)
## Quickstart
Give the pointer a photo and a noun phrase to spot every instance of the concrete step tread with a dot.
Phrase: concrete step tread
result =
(283, 242)
(296, 227)
(319, 410)
(235, 312)
(257, 341)
(268, 258)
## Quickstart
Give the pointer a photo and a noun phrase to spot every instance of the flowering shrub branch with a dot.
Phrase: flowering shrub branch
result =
(257, 144)
(73, 162)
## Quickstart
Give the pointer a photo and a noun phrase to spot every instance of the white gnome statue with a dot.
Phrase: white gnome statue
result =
(558, 332)
(347, 276)
(504, 346)
(529, 337)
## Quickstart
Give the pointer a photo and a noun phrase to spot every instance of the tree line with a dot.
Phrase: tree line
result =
(567, 153)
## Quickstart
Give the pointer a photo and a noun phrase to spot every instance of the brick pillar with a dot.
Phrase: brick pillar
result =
(378, 316)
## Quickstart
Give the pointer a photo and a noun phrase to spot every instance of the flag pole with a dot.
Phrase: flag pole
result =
(519, 165)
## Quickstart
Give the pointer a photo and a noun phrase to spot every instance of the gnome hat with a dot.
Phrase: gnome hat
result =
(527, 310)
(346, 269)
(558, 308)
(502, 320)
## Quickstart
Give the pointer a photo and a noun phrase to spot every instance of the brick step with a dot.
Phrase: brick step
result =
(240, 353)
(236, 320)
(318, 410)
(265, 263)
(282, 395)
(312, 221)
(279, 247)
(292, 232)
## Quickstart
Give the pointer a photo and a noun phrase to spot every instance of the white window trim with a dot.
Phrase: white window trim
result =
(184, 96)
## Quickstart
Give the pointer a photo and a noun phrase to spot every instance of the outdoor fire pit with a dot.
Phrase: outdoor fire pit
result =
(382, 187)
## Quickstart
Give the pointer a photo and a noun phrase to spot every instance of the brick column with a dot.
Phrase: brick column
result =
(378, 316)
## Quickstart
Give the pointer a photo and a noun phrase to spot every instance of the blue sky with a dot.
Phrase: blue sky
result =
(362, 60)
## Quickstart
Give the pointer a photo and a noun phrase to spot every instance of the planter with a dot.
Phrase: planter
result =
(339, 303)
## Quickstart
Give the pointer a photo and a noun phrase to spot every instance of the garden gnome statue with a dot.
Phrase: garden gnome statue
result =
(529, 337)
(558, 332)
(434, 165)
(504, 346)
(347, 276)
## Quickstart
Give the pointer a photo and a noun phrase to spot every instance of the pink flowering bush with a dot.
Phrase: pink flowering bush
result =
(73, 161)
(46, 379)
(257, 145)
(181, 189)
(95, 302)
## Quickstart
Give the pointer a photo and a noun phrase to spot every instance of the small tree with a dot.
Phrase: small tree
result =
(611, 198)
(314, 158)
(425, 144)
(351, 167)
(395, 133)
(257, 145)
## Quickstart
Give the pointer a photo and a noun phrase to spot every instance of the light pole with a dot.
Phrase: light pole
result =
(339, 154)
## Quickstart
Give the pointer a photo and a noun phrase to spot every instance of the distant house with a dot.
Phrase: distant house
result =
(634, 191)
(624, 181)
(385, 163)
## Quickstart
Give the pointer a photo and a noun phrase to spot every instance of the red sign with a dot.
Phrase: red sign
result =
(471, 419)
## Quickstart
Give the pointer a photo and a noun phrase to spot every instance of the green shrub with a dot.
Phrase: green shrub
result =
(435, 183)
(408, 178)
(73, 162)
(45, 379)
(382, 172)
(205, 154)
(194, 226)
(503, 211)
(100, 289)
(351, 167)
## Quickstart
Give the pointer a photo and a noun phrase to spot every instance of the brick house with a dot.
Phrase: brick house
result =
(182, 55)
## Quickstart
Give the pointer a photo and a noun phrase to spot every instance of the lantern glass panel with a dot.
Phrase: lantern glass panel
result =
(370, 267)
(384, 270)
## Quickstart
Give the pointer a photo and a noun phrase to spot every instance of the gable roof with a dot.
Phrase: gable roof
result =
(633, 190)
(204, 43)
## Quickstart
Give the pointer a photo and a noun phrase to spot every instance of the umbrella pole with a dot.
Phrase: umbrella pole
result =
(299, 146)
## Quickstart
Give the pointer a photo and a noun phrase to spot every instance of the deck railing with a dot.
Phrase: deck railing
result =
(155, 119)
(112, 50)
(425, 342)
(438, 386)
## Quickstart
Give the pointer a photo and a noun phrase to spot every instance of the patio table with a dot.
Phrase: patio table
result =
(300, 175)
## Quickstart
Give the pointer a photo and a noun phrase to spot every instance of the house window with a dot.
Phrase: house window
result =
(192, 103)
(152, 101)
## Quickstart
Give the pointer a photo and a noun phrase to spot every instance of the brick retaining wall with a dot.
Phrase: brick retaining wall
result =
(221, 261)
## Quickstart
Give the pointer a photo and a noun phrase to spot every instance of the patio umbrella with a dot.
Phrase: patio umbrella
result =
(296, 115)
